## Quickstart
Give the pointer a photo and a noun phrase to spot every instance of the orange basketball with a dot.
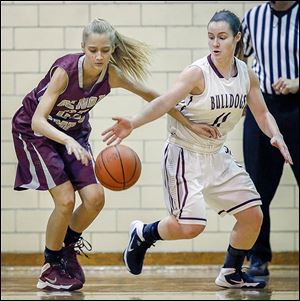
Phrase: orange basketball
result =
(118, 167)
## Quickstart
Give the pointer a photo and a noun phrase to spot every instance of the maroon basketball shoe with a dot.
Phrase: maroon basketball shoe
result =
(70, 260)
(54, 277)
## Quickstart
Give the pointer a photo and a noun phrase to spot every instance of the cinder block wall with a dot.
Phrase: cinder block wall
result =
(33, 35)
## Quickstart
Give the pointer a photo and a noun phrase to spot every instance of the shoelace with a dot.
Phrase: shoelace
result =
(80, 244)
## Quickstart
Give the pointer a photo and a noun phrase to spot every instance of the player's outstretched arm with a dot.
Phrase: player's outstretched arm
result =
(264, 118)
(118, 79)
(187, 80)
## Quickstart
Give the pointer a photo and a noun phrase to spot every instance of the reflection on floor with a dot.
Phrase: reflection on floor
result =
(156, 283)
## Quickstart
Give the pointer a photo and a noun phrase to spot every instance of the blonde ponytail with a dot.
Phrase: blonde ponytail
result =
(130, 55)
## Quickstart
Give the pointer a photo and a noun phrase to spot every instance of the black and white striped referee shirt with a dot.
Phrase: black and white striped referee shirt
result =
(273, 38)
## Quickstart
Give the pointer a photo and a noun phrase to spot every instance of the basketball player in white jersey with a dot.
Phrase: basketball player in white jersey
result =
(213, 90)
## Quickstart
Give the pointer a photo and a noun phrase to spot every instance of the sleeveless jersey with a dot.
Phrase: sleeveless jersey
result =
(70, 113)
(221, 104)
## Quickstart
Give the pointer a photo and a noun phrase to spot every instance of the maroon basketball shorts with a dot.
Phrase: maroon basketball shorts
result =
(44, 164)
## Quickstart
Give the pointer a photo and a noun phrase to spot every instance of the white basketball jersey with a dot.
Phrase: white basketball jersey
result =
(221, 105)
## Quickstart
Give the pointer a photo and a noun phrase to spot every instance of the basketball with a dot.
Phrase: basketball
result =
(118, 167)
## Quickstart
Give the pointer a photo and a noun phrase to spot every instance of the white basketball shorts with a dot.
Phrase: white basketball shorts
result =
(191, 179)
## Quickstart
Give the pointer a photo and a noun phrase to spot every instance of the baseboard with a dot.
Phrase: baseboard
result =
(180, 258)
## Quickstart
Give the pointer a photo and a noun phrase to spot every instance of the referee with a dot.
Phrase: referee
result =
(271, 34)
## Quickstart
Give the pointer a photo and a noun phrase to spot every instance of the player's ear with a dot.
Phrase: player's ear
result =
(82, 46)
(238, 36)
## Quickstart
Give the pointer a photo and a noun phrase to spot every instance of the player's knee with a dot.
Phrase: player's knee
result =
(99, 202)
(96, 201)
(192, 231)
(66, 206)
(253, 218)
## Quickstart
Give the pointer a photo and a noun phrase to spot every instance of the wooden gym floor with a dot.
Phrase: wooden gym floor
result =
(163, 282)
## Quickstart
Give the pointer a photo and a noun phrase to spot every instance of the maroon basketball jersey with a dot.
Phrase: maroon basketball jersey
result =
(71, 110)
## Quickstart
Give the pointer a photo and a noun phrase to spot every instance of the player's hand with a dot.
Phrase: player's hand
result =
(286, 86)
(204, 130)
(277, 141)
(120, 130)
(73, 147)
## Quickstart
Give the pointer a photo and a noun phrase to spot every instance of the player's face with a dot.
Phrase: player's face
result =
(221, 41)
(98, 50)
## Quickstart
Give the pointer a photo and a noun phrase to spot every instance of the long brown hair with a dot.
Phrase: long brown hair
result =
(130, 55)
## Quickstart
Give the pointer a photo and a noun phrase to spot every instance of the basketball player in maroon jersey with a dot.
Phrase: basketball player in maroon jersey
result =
(51, 131)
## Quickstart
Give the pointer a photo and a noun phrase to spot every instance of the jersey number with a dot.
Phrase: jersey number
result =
(220, 119)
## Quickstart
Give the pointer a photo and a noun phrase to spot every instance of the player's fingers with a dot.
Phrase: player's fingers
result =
(77, 154)
(205, 133)
(82, 155)
(286, 154)
(289, 160)
(110, 129)
(212, 133)
(218, 132)
(87, 154)
(108, 136)
(206, 129)
(118, 141)
(284, 151)
(84, 160)
(86, 157)
(111, 140)
(69, 150)
(286, 157)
